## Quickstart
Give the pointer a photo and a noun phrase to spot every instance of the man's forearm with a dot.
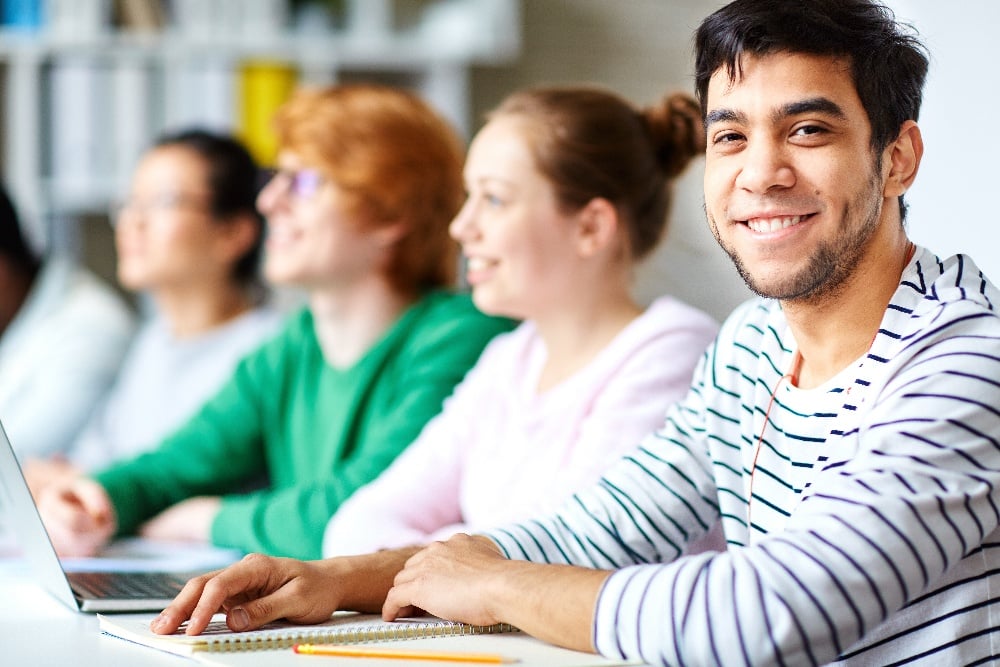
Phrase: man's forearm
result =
(555, 603)
(363, 581)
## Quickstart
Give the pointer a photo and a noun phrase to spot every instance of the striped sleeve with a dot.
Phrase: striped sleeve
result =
(644, 510)
(906, 520)
(876, 532)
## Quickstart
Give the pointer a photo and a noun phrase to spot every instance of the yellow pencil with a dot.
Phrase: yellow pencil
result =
(401, 654)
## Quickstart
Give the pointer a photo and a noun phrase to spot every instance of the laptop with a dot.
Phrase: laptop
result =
(96, 591)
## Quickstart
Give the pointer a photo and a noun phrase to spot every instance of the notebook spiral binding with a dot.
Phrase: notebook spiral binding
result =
(381, 633)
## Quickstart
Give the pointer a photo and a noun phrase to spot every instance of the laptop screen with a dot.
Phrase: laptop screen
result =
(23, 520)
(139, 576)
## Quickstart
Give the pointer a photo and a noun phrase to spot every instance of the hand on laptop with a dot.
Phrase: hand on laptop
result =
(78, 515)
(40, 473)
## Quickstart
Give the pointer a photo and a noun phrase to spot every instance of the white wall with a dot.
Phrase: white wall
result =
(951, 202)
(642, 49)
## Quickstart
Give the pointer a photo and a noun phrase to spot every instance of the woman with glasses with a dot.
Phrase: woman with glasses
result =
(368, 180)
(188, 240)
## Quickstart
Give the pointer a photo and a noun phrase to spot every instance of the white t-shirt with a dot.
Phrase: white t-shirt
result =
(59, 356)
(163, 382)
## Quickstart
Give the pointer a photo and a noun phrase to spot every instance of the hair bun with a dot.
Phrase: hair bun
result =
(677, 131)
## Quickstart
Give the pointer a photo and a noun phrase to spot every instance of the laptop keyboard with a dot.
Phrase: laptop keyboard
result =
(128, 585)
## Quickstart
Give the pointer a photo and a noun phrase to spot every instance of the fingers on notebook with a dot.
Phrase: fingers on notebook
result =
(221, 591)
(446, 579)
(399, 601)
(392, 609)
(253, 614)
(243, 591)
(275, 588)
(182, 608)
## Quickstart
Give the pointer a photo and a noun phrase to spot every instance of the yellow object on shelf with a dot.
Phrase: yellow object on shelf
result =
(264, 86)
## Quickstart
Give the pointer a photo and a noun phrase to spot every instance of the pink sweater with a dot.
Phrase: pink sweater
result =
(500, 451)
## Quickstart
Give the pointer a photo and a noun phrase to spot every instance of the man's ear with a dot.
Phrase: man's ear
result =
(390, 233)
(596, 226)
(903, 161)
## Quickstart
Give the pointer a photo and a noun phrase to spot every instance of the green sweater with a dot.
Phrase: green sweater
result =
(317, 433)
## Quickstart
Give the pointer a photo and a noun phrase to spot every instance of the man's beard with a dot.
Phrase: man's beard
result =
(830, 264)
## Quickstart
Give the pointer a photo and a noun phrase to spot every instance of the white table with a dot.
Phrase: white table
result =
(36, 630)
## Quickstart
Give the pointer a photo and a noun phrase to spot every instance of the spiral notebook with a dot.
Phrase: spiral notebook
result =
(342, 628)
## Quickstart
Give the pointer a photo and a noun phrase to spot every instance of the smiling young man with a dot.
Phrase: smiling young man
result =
(843, 427)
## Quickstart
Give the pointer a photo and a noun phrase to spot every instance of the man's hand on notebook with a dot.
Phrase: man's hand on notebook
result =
(450, 579)
(78, 515)
(467, 579)
(257, 590)
(260, 589)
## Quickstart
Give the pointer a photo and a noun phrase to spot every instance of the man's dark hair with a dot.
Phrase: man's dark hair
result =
(13, 245)
(233, 182)
(888, 63)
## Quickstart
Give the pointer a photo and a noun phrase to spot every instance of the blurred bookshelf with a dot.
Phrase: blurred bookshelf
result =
(87, 84)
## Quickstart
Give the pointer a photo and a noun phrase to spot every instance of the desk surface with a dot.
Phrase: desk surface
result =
(38, 630)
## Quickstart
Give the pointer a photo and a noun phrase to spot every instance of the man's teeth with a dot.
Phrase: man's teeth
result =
(476, 263)
(773, 224)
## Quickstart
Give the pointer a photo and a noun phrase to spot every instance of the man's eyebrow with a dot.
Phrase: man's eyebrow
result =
(724, 116)
(822, 105)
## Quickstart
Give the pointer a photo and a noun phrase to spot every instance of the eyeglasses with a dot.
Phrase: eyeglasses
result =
(299, 183)
(161, 203)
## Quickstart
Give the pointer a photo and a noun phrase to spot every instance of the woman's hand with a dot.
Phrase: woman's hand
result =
(188, 521)
(78, 515)
(41, 473)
